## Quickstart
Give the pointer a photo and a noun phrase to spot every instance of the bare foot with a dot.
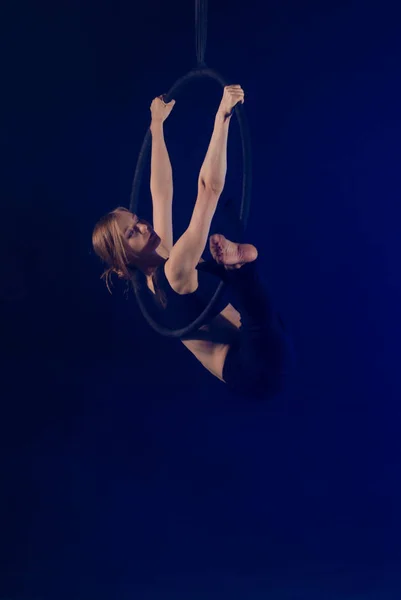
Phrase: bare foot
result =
(230, 254)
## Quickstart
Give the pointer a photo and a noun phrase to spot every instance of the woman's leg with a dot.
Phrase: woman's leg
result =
(256, 364)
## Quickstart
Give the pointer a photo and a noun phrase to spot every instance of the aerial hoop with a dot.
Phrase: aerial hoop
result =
(201, 71)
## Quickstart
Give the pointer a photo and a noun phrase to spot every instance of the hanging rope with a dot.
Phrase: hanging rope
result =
(200, 31)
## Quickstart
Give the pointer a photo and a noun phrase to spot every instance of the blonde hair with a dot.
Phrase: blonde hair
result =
(107, 242)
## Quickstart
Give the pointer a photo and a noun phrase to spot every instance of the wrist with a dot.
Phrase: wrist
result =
(223, 117)
(156, 125)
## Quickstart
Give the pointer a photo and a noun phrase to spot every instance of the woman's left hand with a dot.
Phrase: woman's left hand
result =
(160, 110)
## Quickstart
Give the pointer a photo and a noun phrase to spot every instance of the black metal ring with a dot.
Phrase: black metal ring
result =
(245, 198)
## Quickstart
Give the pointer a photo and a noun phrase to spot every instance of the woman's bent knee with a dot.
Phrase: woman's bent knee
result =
(263, 385)
(258, 374)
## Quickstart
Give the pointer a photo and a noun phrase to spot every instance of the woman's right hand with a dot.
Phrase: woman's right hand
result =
(231, 96)
(160, 110)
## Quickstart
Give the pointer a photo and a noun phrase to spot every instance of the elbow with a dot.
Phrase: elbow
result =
(213, 186)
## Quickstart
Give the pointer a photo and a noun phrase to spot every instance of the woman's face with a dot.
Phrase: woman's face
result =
(138, 234)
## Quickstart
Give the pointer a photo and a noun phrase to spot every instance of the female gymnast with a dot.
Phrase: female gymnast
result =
(243, 344)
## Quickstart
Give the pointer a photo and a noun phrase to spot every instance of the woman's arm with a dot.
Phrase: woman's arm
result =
(188, 249)
(161, 174)
(214, 168)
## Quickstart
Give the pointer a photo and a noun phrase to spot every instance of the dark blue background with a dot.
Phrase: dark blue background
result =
(127, 471)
